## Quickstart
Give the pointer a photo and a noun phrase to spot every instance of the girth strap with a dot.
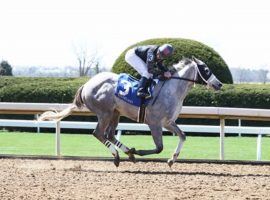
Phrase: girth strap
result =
(141, 112)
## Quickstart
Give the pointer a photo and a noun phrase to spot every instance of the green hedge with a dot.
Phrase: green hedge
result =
(183, 48)
(42, 90)
(240, 96)
(62, 90)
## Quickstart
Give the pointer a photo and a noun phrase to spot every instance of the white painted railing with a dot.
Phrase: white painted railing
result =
(187, 112)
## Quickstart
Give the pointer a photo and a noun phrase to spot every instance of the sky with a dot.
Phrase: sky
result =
(46, 32)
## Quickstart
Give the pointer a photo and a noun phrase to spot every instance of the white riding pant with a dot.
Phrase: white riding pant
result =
(137, 63)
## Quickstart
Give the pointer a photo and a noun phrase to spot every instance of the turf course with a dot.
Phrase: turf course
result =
(236, 148)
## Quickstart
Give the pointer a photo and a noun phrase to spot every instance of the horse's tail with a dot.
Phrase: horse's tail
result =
(78, 98)
(54, 115)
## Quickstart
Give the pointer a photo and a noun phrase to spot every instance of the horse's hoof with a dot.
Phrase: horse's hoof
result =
(131, 151)
(116, 160)
(130, 154)
(132, 158)
(170, 162)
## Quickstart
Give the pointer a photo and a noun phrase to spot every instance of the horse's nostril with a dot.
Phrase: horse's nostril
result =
(220, 85)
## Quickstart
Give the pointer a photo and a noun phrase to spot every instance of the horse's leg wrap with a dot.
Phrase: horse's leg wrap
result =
(125, 149)
(121, 146)
(110, 146)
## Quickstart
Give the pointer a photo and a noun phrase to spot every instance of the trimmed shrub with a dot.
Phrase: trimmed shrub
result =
(42, 90)
(183, 48)
(239, 96)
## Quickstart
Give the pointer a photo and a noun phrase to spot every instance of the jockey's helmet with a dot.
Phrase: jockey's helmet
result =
(165, 51)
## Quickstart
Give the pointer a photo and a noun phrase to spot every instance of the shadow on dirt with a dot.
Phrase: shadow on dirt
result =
(180, 173)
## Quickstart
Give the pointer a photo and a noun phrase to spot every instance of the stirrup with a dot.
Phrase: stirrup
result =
(144, 94)
(141, 94)
(148, 96)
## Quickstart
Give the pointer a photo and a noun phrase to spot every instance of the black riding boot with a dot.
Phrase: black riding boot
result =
(143, 88)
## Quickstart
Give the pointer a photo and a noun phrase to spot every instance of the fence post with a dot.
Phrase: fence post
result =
(38, 128)
(239, 125)
(57, 138)
(221, 139)
(119, 133)
(259, 147)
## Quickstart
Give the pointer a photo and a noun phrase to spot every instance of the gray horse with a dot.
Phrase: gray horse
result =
(98, 96)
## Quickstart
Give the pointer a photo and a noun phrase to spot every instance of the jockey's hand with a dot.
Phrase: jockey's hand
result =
(167, 74)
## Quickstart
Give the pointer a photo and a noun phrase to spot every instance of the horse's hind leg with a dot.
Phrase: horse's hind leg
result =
(110, 134)
(103, 123)
(175, 129)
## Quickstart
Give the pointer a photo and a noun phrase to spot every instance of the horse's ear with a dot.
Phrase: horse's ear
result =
(197, 61)
(194, 59)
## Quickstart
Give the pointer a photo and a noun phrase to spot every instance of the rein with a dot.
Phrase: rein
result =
(177, 78)
(185, 79)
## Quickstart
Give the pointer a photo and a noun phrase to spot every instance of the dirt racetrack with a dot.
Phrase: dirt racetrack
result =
(69, 179)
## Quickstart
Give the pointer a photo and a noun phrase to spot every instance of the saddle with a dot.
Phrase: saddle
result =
(126, 90)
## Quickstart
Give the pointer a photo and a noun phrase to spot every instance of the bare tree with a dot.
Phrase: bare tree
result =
(87, 59)
(262, 73)
(238, 74)
(241, 75)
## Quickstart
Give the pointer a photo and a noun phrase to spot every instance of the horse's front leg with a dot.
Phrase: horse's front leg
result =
(182, 137)
(156, 132)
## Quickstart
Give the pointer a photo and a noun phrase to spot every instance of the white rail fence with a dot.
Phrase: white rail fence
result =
(188, 112)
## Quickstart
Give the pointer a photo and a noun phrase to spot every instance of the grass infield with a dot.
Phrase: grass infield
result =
(236, 148)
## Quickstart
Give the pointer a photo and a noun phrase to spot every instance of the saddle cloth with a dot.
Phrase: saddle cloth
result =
(127, 87)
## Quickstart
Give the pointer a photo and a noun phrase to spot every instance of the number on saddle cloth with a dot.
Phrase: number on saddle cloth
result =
(127, 87)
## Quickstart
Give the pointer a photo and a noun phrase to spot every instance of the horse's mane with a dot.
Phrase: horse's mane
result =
(180, 65)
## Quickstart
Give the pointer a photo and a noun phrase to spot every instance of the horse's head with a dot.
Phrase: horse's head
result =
(205, 75)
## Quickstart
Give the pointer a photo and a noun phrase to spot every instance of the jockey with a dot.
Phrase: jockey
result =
(146, 60)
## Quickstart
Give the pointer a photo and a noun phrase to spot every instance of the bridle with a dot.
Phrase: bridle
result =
(192, 80)
(206, 82)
